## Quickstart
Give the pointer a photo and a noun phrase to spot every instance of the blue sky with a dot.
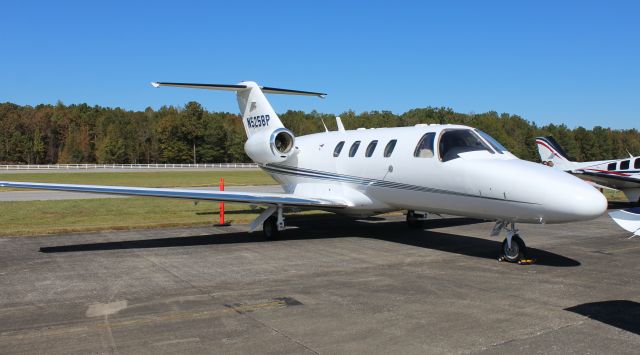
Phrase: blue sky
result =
(571, 62)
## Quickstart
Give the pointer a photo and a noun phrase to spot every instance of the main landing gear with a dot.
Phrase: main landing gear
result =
(270, 228)
(513, 248)
(272, 220)
(416, 220)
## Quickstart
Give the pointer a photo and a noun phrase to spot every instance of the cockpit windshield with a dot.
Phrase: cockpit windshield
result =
(456, 141)
(494, 143)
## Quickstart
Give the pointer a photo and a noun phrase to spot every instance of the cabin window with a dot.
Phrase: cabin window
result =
(354, 148)
(611, 166)
(370, 148)
(424, 149)
(636, 165)
(624, 165)
(458, 141)
(389, 148)
(336, 152)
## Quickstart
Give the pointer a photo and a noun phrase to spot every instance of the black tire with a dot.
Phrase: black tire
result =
(413, 222)
(517, 252)
(270, 228)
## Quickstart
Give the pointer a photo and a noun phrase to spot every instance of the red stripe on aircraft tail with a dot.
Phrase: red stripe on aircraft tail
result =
(551, 149)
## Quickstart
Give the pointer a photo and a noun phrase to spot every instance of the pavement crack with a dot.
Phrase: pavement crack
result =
(537, 334)
(167, 270)
(275, 330)
(111, 340)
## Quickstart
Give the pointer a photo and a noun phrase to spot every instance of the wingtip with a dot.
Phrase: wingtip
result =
(155, 84)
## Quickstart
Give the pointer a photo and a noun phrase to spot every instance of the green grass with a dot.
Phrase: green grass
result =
(615, 195)
(150, 179)
(20, 218)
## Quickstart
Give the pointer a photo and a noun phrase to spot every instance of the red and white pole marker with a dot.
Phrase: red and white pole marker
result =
(221, 203)
(222, 206)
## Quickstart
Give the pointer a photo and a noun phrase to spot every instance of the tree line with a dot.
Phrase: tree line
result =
(65, 134)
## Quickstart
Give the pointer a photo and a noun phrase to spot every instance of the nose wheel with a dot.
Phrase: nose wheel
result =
(515, 251)
(513, 248)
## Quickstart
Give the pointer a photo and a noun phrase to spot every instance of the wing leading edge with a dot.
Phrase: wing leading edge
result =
(219, 196)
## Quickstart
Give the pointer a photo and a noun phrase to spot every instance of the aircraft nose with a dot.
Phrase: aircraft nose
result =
(586, 201)
(572, 199)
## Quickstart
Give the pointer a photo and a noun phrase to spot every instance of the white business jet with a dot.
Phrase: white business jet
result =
(448, 169)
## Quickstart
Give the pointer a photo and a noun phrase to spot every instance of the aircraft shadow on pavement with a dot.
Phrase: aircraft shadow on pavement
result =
(327, 226)
(622, 314)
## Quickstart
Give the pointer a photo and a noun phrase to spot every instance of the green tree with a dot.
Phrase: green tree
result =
(37, 147)
(84, 134)
(173, 149)
(192, 126)
(113, 149)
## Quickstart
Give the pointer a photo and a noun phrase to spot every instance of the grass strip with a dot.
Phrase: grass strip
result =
(149, 179)
(22, 218)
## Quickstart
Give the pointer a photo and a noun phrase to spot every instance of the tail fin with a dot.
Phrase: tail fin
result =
(257, 113)
(552, 154)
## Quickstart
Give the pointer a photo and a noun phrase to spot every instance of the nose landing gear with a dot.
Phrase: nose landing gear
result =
(515, 251)
(513, 248)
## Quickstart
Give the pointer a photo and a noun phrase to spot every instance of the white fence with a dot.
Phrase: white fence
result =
(129, 166)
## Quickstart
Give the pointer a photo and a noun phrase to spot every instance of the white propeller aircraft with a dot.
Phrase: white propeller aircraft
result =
(619, 174)
(450, 169)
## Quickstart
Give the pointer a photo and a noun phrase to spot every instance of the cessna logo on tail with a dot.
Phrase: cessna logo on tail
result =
(258, 121)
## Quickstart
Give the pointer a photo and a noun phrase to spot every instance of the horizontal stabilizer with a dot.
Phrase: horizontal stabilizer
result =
(202, 86)
(239, 87)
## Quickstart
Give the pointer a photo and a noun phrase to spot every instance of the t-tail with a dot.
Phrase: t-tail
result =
(552, 154)
(268, 141)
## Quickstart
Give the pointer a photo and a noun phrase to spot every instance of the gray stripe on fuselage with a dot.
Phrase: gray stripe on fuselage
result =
(289, 170)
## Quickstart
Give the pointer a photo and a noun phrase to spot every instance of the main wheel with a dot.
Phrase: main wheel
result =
(518, 249)
(270, 228)
(414, 220)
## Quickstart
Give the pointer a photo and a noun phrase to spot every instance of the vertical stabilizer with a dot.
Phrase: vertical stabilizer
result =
(552, 154)
(257, 113)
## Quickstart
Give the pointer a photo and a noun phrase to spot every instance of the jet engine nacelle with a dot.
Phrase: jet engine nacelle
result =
(270, 146)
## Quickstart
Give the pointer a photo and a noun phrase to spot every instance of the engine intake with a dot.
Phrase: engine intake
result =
(270, 147)
(281, 141)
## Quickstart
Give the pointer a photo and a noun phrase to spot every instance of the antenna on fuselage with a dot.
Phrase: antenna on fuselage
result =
(325, 126)
(340, 125)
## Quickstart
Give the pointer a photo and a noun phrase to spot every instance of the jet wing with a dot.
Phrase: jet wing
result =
(628, 219)
(614, 180)
(253, 198)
